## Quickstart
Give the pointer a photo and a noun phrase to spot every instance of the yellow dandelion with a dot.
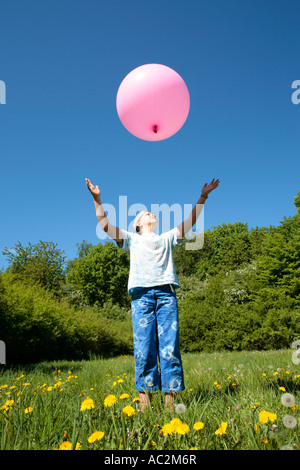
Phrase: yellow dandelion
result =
(264, 440)
(87, 404)
(136, 399)
(167, 429)
(123, 396)
(28, 410)
(198, 425)
(96, 436)
(182, 429)
(265, 416)
(110, 400)
(128, 411)
(67, 445)
(222, 429)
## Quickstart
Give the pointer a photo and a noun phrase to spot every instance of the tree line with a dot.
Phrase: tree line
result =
(241, 291)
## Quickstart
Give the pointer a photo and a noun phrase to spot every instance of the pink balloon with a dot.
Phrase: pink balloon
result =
(153, 102)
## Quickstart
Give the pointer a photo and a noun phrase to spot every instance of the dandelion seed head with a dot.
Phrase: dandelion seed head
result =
(288, 400)
(289, 421)
(180, 409)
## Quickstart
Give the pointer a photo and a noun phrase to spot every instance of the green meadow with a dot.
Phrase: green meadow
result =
(233, 400)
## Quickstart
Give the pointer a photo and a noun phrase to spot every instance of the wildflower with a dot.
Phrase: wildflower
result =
(153, 443)
(7, 406)
(198, 425)
(136, 399)
(120, 381)
(87, 404)
(255, 406)
(222, 429)
(289, 421)
(96, 436)
(176, 426)
(265, 416)
(167, 429)
(264, 440)
(123, 396)
(28, 410)
(182, 428)
(282, 389)
(110, 400)
(180, 409)
(67, 445)
(288, 400)
(128, 411)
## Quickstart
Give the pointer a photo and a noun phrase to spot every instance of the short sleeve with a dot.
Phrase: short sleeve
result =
(127, 236)
(172, 236)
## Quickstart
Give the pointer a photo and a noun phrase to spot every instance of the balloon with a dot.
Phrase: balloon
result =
(153, 102)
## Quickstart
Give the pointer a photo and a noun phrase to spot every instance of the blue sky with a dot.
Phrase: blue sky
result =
(62, 63)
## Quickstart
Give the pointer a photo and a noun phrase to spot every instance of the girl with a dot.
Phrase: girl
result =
(151, 285)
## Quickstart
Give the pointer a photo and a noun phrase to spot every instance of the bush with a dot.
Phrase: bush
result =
(35, 326)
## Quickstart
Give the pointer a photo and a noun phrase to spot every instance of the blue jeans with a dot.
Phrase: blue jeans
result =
(156, 336)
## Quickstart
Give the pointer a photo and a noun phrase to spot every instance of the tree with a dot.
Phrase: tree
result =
(101, 276)
(40, 264)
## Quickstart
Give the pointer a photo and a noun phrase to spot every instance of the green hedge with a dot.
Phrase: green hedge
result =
(36, 326)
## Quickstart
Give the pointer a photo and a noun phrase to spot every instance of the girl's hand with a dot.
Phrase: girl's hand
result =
(94, 190)
(207, 188)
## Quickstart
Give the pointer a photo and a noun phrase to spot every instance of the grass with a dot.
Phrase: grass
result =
(41, 406)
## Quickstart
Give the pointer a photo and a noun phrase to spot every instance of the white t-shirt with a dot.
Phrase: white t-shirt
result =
(151, 258)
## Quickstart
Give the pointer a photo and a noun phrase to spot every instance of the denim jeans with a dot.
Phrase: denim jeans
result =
(158, 364)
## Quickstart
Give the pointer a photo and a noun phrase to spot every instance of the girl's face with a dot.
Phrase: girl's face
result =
(148, 222)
